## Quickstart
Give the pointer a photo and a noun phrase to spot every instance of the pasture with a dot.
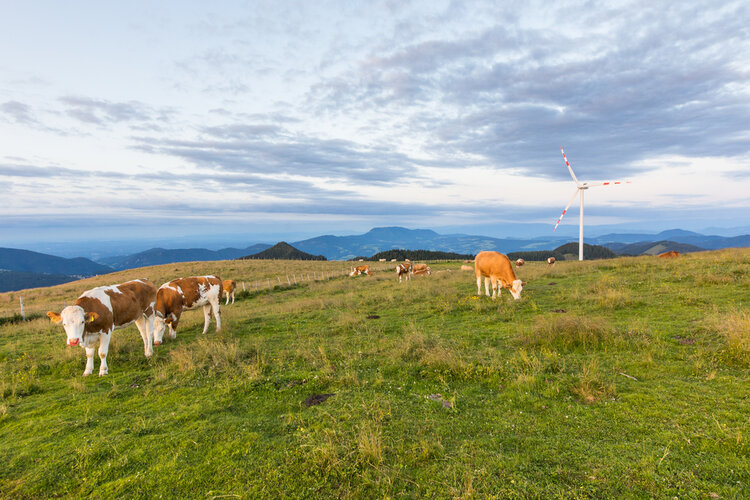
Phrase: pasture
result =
(612, 378)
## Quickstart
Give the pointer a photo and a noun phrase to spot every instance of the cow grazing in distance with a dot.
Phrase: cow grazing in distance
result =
(101, 310)
(465, 267)
(672, 254)
(551, 260)
(496, 268)
(186, 293)
(228, 287)
(421, 269)
(356, 271)
(520, 262)
(404, 270)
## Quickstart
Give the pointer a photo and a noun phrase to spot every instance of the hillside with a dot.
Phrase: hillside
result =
(652, 247)
(418, 255)
(19, 280)
(158, 256)
(608, 379)
(13, 259)
(568, 251)
(284, 251)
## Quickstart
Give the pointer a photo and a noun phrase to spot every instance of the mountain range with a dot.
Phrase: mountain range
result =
(346, 247)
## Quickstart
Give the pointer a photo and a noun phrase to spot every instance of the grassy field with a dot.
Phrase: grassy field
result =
(613, 378)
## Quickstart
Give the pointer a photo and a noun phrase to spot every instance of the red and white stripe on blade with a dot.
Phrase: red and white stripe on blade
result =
(608, 183)
(566, 209)
(569, 167)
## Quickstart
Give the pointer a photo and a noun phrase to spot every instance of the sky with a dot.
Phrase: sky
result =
(165, 120)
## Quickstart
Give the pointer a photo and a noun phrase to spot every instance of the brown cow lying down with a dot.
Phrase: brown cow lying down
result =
(497, 269)
(186, 293)
(228, 286)
(421, 269)
(520, 262)
(669, 255)
(551, 261)
(99, 311)
(356, 271)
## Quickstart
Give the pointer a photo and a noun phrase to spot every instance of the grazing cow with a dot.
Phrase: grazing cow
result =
(421, 269)
(520, 262)
(228, 286)
(381, 260)
(394, 260)
(404, 269)
(551, 261)
(186, 293)
(465, 267)
(496, 268)
(101, 310)
(672, 254)
(356, 271)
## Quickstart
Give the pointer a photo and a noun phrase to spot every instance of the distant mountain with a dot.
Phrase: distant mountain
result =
(284, 251)
(13, 259)
(707, 242)
(568, 251)
(158, 256)
(652, 247)
(417, 255)
(387, 238)
(10, 281)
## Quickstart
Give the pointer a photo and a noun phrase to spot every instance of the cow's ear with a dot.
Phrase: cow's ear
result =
(91, 317)
(54, 316)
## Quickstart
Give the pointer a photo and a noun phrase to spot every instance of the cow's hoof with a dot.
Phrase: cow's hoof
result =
(101, 374)
(86, 374)
(149, 354)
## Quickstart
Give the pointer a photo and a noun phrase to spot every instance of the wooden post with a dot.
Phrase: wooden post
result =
(269, 283)
(23, 314)
(243, 286)
(295, 278)
(287, 280)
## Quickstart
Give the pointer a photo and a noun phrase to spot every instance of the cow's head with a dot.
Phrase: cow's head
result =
(354, 271)
(161, 322)
(515, 288)
(73, 319)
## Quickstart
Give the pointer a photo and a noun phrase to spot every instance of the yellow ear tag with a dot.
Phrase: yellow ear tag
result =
(91, 319)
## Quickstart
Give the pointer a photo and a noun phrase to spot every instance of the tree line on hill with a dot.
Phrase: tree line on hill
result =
(400, 254)
(568, 251)
(283, 251)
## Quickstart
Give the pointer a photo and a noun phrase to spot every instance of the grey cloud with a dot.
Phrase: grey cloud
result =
(20, 112)
(103, 113)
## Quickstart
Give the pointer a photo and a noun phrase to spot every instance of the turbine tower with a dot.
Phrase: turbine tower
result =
(580, 188)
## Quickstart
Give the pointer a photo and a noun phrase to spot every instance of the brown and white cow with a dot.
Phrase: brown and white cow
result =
(672, 254)
(101, 310)
(551, 260)
(520, 262)
(497, 269)
(421, 269)
(356, 271)
(228, 286)
(405, 270)
(186, 293)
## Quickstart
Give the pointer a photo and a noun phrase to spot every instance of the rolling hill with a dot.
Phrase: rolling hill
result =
(283, 251)
(158, 256)
(13, 259)
(651, 247)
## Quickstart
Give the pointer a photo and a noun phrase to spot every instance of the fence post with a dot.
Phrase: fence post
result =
(294, 276)
(279, 278)
(23, 314)
(243, 286)
(269, 283)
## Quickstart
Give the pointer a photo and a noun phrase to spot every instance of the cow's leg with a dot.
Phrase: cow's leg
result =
(232, 296)
(227, 302)
(216, 305)
(90, 351)
(487, 286)
(142, 325)
(206, 317)
(103, 349)
(479, 286)
(494, 283)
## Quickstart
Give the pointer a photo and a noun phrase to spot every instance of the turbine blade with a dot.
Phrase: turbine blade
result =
(566, 209)
(606, 183)
(569, 167)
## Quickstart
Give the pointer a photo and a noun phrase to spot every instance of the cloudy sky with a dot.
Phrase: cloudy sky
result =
(165, 118)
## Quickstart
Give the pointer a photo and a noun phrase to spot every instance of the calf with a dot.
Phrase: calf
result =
(551, 261)
(520, 262)
(496, 268)
(101, 310)
(186, 293)
(356, 271)
(404, 269)
(228, 287)
(421, 269)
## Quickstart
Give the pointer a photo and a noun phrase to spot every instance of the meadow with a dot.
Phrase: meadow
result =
(620, 378)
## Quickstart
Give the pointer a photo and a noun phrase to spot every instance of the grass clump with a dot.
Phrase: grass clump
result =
(568, 332)
(733, 329)
(590, 385)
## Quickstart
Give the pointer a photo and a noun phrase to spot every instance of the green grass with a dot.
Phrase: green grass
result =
(613, 378)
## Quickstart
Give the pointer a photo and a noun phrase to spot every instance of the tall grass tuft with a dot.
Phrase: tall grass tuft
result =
(570, 332)
(734, 328)
(370, 443)
(590, 385)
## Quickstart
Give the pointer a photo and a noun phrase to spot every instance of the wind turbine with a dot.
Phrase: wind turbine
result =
(580, 188)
